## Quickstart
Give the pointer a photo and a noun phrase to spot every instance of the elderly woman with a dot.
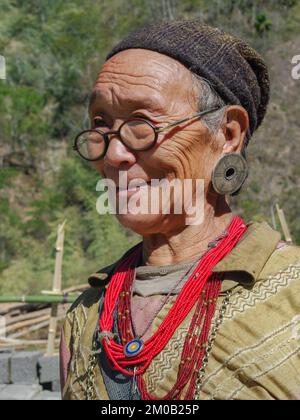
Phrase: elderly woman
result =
(206, 310)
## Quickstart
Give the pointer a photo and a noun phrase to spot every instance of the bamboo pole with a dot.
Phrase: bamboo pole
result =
(35, 327)
(31, 329)
(17, 309)
(284, 224)
(28, 323)
(59, 248)
(57, 298)
(10, 320)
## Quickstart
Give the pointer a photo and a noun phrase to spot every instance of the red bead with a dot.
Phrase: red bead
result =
(192, 295)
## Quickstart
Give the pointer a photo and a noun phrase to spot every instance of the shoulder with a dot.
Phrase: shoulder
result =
(91, 297)
(278, 287)
(87, 299)
(284, 259)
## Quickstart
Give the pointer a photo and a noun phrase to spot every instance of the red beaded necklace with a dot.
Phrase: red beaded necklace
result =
(194, 345)
(202, 288)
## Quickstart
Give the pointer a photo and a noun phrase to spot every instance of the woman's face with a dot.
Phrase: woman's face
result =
(147, 84)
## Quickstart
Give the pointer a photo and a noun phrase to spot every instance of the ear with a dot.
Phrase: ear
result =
(235, 126)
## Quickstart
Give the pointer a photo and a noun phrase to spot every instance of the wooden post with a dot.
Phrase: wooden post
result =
(56, 288)
(284, 224)
(2, 68)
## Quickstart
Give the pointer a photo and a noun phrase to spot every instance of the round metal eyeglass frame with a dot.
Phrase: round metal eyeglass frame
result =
(156, 130)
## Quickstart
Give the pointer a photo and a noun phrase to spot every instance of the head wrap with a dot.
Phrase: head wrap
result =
(235, 70)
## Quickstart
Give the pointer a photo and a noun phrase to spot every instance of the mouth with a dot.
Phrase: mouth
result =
(134, 186)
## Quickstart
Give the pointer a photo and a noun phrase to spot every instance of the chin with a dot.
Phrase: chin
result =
(150, 224)
(141, 224)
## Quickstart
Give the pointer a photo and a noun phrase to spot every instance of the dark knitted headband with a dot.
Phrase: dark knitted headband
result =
(234, 69)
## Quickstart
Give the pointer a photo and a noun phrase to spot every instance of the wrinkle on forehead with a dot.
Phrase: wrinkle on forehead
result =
(115, 93)
(123, 81)
(145, 64)
(160, 77)
(107, 76)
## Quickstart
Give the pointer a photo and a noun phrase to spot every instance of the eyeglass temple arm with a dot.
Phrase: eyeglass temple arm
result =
(199, 114)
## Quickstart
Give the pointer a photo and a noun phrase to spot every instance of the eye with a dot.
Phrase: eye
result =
(99, 122)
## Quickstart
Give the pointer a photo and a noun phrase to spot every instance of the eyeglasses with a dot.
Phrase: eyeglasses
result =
(137, 134)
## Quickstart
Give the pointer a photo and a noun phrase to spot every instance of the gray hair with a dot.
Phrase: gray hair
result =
(209, 98)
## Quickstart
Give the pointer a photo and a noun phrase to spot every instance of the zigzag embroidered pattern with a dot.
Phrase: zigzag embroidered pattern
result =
(78, 326)
(165, 360)
(262, 291)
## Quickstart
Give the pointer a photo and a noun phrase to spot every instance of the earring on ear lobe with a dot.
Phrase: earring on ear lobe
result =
(229, 173)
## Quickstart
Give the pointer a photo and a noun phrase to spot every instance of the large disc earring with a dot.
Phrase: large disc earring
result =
(229, 173)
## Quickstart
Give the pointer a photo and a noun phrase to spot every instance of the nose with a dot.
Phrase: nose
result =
(117, 154)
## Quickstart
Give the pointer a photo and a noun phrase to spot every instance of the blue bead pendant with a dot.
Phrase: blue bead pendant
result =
(133, 348)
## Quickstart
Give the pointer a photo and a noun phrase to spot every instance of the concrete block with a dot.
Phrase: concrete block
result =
(48, 369)
(24, 367)
(56, 386)
(5, 368)
(19, 392)
(48, 396)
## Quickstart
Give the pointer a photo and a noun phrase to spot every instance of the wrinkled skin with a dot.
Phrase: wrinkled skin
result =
(151, 85)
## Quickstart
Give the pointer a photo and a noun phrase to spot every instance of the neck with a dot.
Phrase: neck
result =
(189, 242)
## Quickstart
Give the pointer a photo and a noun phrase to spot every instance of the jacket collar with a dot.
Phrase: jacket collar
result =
(245, 262)
(241, 266)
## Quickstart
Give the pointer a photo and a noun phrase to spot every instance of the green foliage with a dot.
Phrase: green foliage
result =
(262, 23)
(53, 51)
(5, 175)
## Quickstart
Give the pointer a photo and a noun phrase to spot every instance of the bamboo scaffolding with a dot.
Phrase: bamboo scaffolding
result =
(34, 328)
(29, 330)
(39, 311)
(28, 323)
(13, 309)
(56, 288)
(24, 317)
(19, 327)
(55, 298)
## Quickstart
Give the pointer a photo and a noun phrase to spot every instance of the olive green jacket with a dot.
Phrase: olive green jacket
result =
(256, 352)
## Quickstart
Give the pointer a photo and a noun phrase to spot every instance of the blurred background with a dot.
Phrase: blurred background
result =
(53, 51)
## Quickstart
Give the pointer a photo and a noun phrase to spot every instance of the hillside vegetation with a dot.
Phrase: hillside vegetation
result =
(53, 50)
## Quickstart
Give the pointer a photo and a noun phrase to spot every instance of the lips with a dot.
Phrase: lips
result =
(133, 186)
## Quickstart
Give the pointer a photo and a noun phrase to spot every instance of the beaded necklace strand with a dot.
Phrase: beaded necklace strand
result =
(166, 299)
(196, 290)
